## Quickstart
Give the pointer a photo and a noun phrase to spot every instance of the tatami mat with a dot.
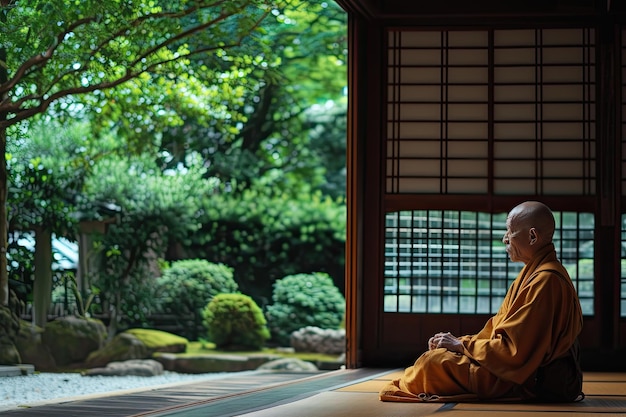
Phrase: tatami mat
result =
(604, 377)
(591, 404)
(593, 383)
(605, 396)
(346, 404)
(368, 386)
(604, 388)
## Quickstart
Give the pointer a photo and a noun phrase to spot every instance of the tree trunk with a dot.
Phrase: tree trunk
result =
(42, 289)
(4, 276)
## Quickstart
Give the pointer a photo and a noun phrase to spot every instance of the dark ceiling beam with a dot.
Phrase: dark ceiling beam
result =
(403, 9)
(364, 8)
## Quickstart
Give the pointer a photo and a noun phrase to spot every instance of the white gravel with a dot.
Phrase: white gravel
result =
(41, 388)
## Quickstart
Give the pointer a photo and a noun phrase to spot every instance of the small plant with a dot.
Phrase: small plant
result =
(235, 321)
(74, 295)
(304, 300)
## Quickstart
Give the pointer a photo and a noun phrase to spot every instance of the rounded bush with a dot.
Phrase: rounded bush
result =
(303, 300)
(235, 321)
(187, 286)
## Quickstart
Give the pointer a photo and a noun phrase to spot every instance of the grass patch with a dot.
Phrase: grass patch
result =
(154, 338)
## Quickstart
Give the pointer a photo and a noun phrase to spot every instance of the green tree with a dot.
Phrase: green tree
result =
(156, 207)
(44, 179)
(53, 50)
(261, 115)
(308, 40)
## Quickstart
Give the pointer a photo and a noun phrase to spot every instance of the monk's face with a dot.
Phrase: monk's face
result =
(517, 239)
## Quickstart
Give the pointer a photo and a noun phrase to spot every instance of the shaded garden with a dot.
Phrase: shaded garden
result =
(194, 152)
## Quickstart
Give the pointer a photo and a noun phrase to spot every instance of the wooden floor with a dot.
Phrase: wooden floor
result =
(605, 396)
(343, 393)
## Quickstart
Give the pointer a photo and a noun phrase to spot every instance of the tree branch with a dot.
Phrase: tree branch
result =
(40, 59)
(44, 99)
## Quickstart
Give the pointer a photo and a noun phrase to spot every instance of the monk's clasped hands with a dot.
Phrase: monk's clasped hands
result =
(447, 341)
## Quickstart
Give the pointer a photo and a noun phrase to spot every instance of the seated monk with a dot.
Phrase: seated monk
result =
(539, 322)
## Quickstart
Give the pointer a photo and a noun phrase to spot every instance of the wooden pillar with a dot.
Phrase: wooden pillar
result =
(42, 289)
(608, 229)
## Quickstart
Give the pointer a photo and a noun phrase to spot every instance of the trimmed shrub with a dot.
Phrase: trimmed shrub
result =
(187, 286)
(304, 300)
(235, 321)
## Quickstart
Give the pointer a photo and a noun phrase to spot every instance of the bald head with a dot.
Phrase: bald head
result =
(534, 215)
(529, 228)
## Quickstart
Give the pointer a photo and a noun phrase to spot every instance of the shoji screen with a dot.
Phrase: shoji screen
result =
(481, 112)
(493, 113)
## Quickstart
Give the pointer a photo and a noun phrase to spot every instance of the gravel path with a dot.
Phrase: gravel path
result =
(41, 388)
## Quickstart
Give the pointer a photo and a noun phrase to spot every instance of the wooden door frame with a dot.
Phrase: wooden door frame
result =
(366, 204)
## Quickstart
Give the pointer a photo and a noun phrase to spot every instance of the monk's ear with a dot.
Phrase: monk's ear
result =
(532, 234)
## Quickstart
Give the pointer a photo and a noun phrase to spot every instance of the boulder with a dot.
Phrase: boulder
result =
(288, 364)
(70, 339)
(135, 367)
(204, 363)
(137, 344)
(122, 347)
(314, 339)
(31, 348)
(9, 328)
(8, 352)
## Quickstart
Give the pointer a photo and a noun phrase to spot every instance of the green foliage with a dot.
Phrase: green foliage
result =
(266, 235)
(254, 121)
(326, 125)
(304, 300)
(155, 208)
(21, 265)
(45, 178)
(96, 45)
(43, 183)
(187, 286)
(235, 321)
(223, 94)
(82, 305)
(66, 292)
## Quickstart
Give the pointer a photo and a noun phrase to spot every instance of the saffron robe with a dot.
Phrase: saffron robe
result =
(538, 321)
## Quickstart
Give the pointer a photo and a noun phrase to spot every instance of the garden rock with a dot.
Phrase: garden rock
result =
(314, 339)
(71, 339)
(8, 353)
(199, 364)
(134, 367)
(9, 327)
(137, 344)
(31, 348)
(122, 347)
(288, 364)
